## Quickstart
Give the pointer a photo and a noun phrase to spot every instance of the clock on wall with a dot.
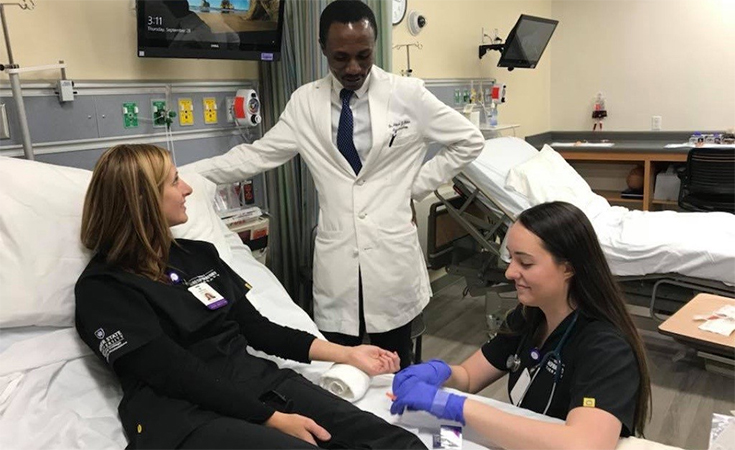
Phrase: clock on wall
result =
(399, 11)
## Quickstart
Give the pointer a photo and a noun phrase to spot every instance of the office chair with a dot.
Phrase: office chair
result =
(708, 182)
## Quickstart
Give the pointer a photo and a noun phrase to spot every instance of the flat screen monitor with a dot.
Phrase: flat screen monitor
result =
(211, 29)
(527, 42)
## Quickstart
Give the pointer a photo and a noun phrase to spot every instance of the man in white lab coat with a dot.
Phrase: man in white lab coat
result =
(363, 134)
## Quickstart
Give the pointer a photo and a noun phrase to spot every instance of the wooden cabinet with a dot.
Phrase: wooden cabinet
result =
(649, 161)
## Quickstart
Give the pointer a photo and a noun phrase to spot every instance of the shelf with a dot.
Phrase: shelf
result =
(614, 197)
(499, 127)
(665, 202)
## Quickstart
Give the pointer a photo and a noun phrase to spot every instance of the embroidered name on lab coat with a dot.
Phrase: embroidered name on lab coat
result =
(399, 125)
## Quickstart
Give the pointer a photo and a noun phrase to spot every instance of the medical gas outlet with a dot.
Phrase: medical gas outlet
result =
(186, 112)
(210, 110)
(130, 115)
(162, 117)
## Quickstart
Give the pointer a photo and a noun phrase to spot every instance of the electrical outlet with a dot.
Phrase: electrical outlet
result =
(130, 115)
(159, 113)
(656, 123)
(210, 110)
(186, 112)
(4, 127)
(229, 101)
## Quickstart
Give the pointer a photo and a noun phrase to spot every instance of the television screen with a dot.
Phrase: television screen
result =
(213, 29)
(527, 41)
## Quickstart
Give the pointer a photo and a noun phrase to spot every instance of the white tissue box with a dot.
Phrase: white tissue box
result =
(667, 186)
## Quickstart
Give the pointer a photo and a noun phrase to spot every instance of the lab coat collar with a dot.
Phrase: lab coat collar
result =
(378, 87)
(323, 114)
(337, 86)
(379, 98)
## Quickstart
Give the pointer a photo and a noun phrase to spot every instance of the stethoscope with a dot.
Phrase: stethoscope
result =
(514, 361)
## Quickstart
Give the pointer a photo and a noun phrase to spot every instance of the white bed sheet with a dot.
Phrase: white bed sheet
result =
(55, 394)
(700, 245)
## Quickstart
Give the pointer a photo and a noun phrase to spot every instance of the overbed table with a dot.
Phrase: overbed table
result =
(714, 348)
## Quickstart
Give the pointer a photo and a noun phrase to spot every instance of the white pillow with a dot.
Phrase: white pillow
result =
(203, 223)
(41, 254)
(502, 154)
(548, 177)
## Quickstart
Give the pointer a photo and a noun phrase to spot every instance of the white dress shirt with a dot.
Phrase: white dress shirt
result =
(362, 133)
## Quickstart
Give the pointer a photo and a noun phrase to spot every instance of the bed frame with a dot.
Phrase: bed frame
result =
(474, 254)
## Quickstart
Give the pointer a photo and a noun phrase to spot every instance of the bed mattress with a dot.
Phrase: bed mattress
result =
(700, 245)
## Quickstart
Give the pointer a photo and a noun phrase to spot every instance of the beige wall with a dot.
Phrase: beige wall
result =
(672, 58)
(450, 41)
(97, 40)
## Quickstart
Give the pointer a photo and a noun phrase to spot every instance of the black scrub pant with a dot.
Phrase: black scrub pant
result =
(397, 340)
(349, 426)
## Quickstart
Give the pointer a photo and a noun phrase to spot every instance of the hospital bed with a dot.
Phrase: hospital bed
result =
(54, 393)
(660, 258)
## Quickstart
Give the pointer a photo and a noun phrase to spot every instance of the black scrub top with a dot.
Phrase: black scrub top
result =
(599, 368)
(118, 312)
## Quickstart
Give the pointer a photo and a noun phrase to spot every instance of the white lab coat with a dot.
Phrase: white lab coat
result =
(365, 221)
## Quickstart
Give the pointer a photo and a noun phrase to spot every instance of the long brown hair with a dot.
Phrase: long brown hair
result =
(568, 235)
(123, 218)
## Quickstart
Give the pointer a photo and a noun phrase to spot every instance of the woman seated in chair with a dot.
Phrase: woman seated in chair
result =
(172, 320)
(570, 347)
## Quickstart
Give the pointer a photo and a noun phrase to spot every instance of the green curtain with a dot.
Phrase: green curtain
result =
(292, 199)
(383, 15)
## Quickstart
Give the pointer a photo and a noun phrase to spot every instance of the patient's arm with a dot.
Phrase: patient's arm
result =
(585, 428)
(474, 374)
(368, 358)
(170, 370)
(264, 335)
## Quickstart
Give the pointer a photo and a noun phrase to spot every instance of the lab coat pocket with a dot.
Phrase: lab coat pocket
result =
(335, 267)
(402, 266)
(402, 138)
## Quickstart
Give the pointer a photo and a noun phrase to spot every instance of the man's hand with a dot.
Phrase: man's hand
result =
(373, 360)
(298, 426)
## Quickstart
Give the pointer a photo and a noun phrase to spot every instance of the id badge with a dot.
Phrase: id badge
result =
(520, 388)
(208, 296)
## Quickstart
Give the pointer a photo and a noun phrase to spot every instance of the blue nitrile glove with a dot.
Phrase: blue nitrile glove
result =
(434, 372)
(417, 395)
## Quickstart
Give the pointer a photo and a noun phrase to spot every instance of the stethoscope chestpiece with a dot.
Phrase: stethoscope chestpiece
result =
(513, 363)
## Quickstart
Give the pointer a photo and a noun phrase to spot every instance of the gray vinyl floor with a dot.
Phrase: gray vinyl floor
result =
(684, 394)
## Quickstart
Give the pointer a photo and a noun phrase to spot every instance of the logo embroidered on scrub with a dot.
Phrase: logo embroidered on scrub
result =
(111, 343)
(588, 402)
(100, 333)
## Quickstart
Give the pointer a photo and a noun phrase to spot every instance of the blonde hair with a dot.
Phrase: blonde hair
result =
(123, 218)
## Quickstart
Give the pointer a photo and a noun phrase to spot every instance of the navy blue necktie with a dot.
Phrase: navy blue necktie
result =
(345, 143)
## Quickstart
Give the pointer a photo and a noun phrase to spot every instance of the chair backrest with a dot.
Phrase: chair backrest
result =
(711, 171)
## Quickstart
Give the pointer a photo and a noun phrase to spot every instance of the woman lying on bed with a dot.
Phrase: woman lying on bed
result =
(570, 347)
(173, 321)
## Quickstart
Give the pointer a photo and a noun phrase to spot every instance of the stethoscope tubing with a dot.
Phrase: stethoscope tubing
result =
(555, 354)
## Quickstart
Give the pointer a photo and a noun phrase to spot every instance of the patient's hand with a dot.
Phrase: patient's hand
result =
(298, 426)
(373, 360)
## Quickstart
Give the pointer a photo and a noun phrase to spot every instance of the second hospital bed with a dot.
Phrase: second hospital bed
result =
(659, 257)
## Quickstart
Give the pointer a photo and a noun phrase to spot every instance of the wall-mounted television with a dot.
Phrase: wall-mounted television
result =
(526, 42)
(211, 29)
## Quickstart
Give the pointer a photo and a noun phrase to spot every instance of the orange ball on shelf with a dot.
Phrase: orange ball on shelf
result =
(635, 178)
